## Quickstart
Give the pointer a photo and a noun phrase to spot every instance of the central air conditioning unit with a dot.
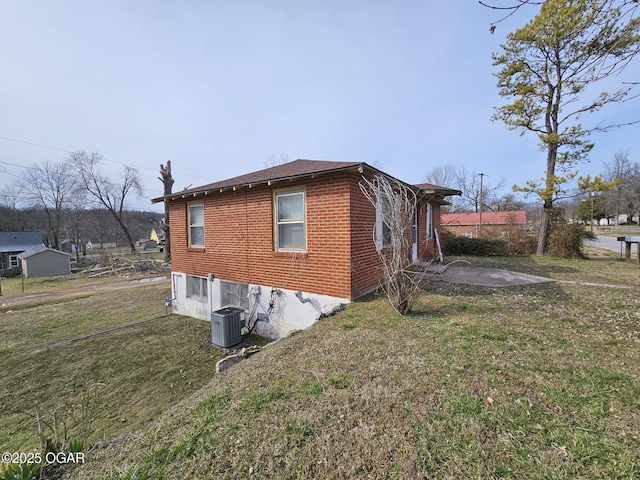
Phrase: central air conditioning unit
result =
(226, 326)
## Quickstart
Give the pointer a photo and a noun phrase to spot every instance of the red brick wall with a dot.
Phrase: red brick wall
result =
(239, 243)
(365, 262)
(341, 259)
(427, 248)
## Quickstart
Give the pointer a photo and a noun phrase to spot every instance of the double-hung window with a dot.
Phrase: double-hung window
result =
(290, 229)
(196, 224)
(429, 221)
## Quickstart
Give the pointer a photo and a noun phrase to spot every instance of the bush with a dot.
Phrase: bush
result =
(567, 240)
(475, 247)
(522, 245)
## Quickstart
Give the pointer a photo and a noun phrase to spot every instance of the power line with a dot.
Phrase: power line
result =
(4, 170)
(105, 159)
(34, 144)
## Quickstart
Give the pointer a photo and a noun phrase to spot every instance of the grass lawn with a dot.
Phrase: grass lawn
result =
(99, 388)
(529, 382)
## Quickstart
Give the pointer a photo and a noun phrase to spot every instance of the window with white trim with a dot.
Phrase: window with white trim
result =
(383, 232)
(196, 224)
(197, 287)
(289, 225)
(14, 261)
(234, 294)
(429, 221)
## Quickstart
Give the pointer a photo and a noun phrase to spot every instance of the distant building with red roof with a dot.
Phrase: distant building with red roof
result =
(493, 223)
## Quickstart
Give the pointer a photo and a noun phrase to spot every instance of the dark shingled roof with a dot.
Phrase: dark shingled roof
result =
(291, 170)
(295, 169)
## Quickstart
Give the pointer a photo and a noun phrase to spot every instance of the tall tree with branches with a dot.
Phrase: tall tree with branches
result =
(49, 185)
(507, 8)
(546, 69)
(107, 193)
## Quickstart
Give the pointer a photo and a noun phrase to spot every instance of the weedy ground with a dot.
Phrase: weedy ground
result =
(95, 389)
(522, 382)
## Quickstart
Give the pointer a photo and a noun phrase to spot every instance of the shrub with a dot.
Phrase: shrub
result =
(477, 247)
(567, 240)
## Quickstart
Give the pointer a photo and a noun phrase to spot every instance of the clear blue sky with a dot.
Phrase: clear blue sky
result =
(218, 86)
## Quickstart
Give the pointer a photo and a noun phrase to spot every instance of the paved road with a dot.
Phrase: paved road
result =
(610, 243)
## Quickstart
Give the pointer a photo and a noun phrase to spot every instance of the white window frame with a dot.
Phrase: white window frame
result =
(278, 224)
(197, 288)
(14, 261)
(192, 225)
(429, 221)
(383, 232)
(234, 294)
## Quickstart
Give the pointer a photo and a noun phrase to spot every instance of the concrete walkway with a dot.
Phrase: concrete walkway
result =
(487, 277)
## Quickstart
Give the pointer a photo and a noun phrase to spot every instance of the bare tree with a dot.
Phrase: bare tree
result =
(11, 217)
(625, 196)
(111, 195)
(474, 190)
(274, 160)
(75, 220)
(49, 185)
(444, 176)
(503, 203)
(469, 184)
(396, 204)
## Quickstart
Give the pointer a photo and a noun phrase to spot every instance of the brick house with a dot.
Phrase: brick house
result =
(494, 224)
(288, 244)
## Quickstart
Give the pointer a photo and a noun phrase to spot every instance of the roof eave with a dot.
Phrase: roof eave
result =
(206, 191)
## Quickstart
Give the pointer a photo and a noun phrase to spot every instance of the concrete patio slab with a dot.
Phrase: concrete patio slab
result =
(488, 277)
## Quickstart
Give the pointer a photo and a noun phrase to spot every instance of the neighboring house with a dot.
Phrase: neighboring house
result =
(157, 235)
(45, 262)
(14, 243)
(493, 223)
(287, 244)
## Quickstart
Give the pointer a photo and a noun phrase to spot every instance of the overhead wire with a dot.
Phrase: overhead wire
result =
(105, 159)
(34, 144)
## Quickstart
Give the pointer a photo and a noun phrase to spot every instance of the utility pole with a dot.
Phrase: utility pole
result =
(480, 219)
(591, 194)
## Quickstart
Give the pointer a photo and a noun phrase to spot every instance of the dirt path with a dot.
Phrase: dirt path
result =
(70, 293)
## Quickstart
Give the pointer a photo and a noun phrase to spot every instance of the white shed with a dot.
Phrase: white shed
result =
(45, 262)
